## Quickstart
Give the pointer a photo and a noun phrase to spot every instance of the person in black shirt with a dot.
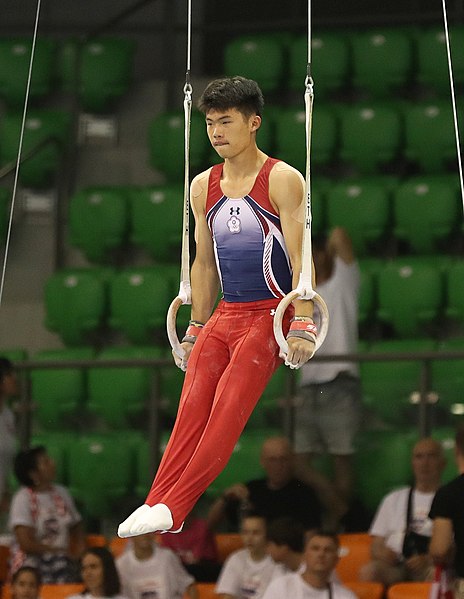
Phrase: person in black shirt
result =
(279, 494)
(447, 513)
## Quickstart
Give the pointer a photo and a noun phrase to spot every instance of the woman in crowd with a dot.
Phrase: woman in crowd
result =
(99, 574)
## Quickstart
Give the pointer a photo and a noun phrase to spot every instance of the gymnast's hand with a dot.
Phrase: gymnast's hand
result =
(299, 351)
(181, 363)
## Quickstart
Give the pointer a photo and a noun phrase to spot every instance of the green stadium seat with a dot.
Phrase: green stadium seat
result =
(101, 472)
(330, 58)
(14, 354)
(244, 463)
(382, 59)
(455, 291)
(382, 463)
(99, 221)
(432, 63)
(410, 297)
(388, 386)
(362, 207)
(156, 217)
(104, 68)
(429, 135)
(291, 137)
(75, 304)
(367, 297)
(4, 211)
(425, 212)
(45, 125)
(139, 300)
(15, 56)
(166, 143)
(120, 395)
(448, 378)
(258, 57)
(370, 135)
(58, 394)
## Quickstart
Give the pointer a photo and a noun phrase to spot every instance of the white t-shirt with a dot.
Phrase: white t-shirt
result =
(340, 292)
(7, 445)
(390, 520)
(160, 577)
(51, 514)
(243, 577)
(294, 587)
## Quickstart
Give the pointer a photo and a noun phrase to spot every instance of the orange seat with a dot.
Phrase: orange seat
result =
(50, 591)
(355, 551)
(366, 590)
(409, 590)
(227, 543)
(95, 540)
(205, 590)
(117, 546)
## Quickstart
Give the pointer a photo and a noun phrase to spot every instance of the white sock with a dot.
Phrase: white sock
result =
(124, 527)
(156, 519)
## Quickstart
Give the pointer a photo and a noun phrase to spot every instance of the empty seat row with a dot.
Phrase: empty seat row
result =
(80, 302)
(413, 296)
(365, 136)
(421, 213)
(347, 58)
(98, 70)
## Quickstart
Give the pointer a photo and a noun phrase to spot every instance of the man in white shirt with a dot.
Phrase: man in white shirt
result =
(400, 543)
(328, 407)
(148, 570)
(247, 572)
(320, 559)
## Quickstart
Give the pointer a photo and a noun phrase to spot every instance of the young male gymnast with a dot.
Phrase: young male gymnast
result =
(248, 214)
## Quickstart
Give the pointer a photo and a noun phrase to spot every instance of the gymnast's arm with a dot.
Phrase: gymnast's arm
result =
(204, 274)
(286, 192)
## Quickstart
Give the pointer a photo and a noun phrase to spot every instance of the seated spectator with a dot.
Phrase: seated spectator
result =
(196, 547)
(285, 544)
(47, 527)
(26, 583)
(248, 571)
(401, 529)
(8, 388)
(279, 494)
(149, 571)
(99, 575)
(320, 559)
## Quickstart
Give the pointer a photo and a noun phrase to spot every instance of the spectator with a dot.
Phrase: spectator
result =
(247, 572)
(8, 388)
(26, 583)
(401, 528)
(327, 412)
(285, 544)
(447, 544)
(47, 527)
(196, 548)
(150, 571)
(99, 575)
(320, 559)
(279, 494)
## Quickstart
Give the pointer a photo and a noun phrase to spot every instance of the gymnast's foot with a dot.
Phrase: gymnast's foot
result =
(157, 518)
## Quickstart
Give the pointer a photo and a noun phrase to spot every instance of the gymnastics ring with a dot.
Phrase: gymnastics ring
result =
(323, 325)
(184, 298)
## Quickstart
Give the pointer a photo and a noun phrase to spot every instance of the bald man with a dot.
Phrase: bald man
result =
(401, 528)
(278, 494)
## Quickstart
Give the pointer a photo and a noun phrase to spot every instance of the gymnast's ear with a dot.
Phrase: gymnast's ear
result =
(255, 123)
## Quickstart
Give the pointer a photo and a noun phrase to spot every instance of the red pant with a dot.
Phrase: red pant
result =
(230, 365)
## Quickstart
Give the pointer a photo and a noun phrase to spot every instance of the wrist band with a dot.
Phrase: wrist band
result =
(302, 319)
(192, 331)
(302, 335)
(304, 326)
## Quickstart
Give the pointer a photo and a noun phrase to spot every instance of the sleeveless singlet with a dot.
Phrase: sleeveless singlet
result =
(249, 246)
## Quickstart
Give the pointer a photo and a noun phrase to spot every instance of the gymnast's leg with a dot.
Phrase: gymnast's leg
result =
(254, 357)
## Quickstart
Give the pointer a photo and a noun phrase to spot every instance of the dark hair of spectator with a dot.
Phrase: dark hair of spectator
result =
(111, 582)
(287, 531)
(26, 462)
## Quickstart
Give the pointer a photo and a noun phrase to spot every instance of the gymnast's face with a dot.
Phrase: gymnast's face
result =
(230, 132)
